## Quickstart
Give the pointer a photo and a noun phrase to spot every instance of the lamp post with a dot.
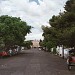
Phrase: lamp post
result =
(61, 26)
(62, 51)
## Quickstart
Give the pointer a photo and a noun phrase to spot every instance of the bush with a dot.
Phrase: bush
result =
(54, 50)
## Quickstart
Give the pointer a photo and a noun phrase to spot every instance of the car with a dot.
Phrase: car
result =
(3, 53)
(71, 59)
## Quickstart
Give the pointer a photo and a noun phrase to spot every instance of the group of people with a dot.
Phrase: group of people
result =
(12, 52)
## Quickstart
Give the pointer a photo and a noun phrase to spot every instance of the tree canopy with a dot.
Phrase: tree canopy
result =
(62, 30)
(13, 30)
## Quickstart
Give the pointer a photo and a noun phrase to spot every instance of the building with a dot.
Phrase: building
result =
(35, 43)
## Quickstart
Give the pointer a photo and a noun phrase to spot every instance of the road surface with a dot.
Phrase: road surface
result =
(34, 62)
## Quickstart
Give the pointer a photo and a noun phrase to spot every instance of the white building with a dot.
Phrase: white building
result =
(60, 51)
(35, 43)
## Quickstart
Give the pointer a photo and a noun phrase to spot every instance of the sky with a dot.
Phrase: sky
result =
(35, 12)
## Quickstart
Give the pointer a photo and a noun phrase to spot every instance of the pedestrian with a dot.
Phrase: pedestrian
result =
(10, 52)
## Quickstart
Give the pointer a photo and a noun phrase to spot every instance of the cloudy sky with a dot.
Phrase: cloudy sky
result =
(35, 12)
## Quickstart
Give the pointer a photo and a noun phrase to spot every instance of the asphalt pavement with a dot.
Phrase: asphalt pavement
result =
(34, 62)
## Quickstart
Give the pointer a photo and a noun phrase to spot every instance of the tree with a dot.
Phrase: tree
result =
(27, 44)
(65, 24)
(69, 18)
(50, 37)
(62, 30)
(13, 30)
(70, 6)
(40, 43)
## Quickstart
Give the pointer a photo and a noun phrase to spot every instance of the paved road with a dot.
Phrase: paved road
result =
(34, 62)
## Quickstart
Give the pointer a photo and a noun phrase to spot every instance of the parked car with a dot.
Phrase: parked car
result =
(71, 59)
(3, 53)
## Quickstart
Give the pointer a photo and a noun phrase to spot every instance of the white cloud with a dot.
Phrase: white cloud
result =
(35, 15)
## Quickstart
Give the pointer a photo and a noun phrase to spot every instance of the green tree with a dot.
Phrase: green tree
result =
(70, 6)
(50, 37)
(13, 30)
(62, 30)
(65, 24)
(27, 44)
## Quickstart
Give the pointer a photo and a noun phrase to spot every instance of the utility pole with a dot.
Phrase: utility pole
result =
(62, 39)
(62, 51)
